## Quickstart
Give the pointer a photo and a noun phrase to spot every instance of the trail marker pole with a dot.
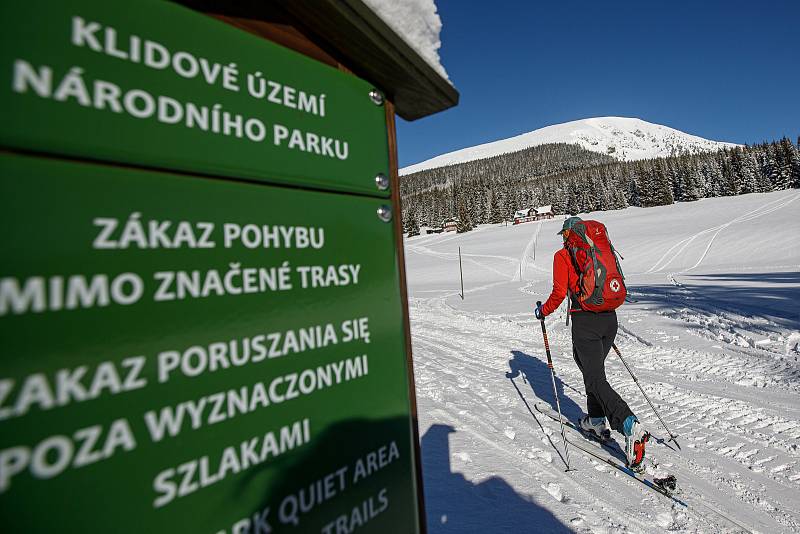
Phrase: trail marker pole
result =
(461, 272)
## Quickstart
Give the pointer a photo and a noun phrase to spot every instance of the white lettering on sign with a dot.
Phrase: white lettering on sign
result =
(313, 276)
(265, 236)
(306, 499)
(105, 40)
(310, 142)
(199, 359)
(375, 461)
(198, 473)
(356, 329)
(135, 233)
(359, 515)
(170, 421)
(94, 36)
(285, 95)
(56, 454)
(138, 103)
(69, 385)
(38, 294)
(179, 285)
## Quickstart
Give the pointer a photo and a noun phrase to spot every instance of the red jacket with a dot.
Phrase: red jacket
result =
(564, 277)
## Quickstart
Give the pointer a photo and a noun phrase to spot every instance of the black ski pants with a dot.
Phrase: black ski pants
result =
(592, 337)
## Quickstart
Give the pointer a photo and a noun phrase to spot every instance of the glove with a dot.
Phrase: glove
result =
(538, 312)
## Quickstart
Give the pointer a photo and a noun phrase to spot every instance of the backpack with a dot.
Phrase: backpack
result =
(601, 284)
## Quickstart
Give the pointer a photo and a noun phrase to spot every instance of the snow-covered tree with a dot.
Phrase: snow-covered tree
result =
(464, 220)
(496, 214)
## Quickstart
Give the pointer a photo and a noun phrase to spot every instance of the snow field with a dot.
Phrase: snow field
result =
(712, 337)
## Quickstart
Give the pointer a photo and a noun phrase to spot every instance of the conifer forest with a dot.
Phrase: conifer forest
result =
(574, 180)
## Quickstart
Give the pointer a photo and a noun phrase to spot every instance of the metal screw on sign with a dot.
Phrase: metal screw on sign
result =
(385, 213)
(376, 97)
(382, 181)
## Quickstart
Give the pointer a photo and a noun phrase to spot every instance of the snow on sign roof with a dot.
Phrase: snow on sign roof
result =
(367, 34)
(417, 23)
(544, 209)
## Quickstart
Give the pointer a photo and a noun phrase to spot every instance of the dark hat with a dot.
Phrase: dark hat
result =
(569, 223)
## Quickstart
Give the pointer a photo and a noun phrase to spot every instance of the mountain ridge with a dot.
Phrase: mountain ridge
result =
(624, 138)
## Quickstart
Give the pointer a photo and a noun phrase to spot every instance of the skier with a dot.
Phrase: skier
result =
(593, 334)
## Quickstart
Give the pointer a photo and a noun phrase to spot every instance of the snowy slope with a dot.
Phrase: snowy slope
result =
(713, 338)
(621, 137)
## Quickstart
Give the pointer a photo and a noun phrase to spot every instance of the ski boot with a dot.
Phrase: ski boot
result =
(635, 440)
(595, 427)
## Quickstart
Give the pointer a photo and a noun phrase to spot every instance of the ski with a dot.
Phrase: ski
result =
(660, 485)
(610, 455)
(610, 445)
(616, 464)
(666, 486)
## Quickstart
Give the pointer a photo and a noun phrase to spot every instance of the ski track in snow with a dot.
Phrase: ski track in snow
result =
(669, 256)
(527, 256)
(726, 383)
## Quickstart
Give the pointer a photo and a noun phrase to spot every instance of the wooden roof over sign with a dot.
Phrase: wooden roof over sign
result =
(378, 54)
(350, 33)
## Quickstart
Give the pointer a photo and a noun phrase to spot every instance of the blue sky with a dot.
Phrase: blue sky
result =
(728, 71)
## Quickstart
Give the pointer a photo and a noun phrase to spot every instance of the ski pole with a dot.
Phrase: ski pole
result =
(672, 437)
(555, 390)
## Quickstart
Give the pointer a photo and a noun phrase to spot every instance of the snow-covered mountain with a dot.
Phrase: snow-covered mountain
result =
(624, 138)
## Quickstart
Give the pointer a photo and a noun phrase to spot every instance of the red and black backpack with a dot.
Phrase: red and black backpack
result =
(601, 284)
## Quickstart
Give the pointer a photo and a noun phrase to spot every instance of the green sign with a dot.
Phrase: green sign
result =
(153, 83)
(186, 354)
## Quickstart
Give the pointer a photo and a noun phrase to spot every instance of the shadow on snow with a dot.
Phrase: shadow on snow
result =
(454, 504)
(775, 296)
(535, 372)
